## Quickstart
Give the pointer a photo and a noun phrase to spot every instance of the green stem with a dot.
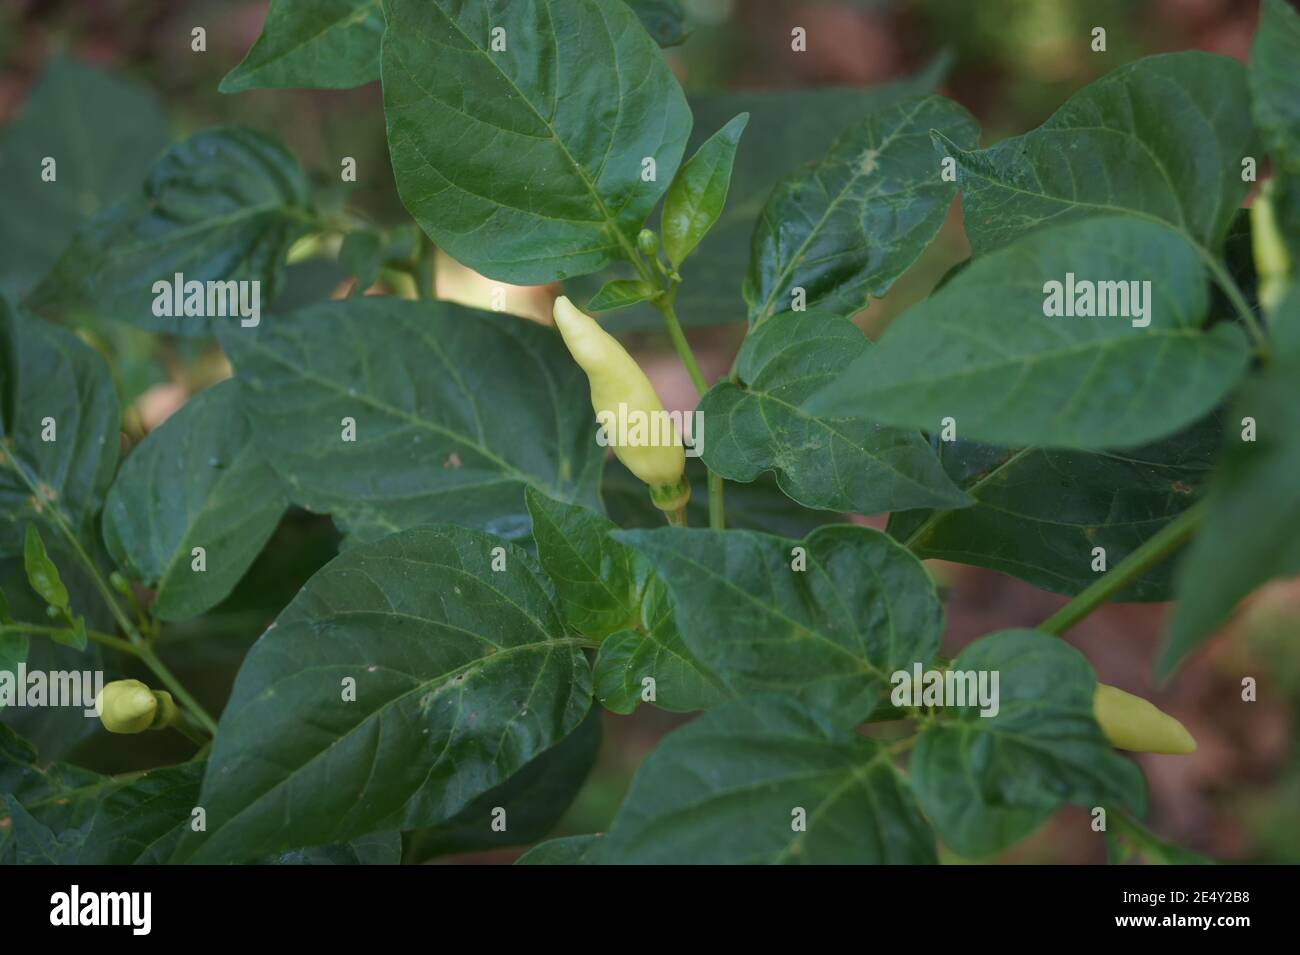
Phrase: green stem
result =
(1152, 552)
(717, 512)
(1239, 303)
(424, 268)
(94, 635)
(137, 643)
(150, 659)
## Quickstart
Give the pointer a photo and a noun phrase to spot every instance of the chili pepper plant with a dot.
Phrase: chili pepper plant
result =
(1103, 400)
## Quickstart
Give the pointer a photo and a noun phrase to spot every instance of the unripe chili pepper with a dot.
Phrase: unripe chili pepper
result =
(1272, 262)
(128, 706)
(1132, 723)
(616, 379)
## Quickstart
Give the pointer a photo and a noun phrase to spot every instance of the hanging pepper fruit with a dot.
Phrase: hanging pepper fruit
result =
(616, 379)
(1272, 262)
(1132, 723)
(128, 706)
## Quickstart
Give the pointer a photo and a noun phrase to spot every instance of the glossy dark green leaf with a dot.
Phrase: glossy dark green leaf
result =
(567, 850)
(1176, 125)
(760, 506)
(196, 481)
(665, 20)
(1251, 532)
(726, 788)
(654, 650)
(982, 352)
(786, 129)
(325, 44)
(525, 163)
(600, 582)
(619, 293)
(985, 781)
(533, 799)
(102, 132)
(698, 192)
(222, 206)
(830, 634)
(463, 675)
(847, 227)
(1275, 81)
(49, 373)
(757, 424)
(456, 411)
(1039, 513)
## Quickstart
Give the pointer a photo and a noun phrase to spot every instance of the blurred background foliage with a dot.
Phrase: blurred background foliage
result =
(1014, 63)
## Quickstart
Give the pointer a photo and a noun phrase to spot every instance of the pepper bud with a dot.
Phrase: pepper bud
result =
(1132, 723)
(617, 380)
(647, 240)
(126, 706)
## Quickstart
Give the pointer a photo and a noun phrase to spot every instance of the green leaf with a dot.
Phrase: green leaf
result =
(73, 636)
(1251, 532)
(599, 581)
(698, 192)
(760, 506)
(456, 411)
(568, 850)
(757, 424)
(23, 775)
(534, 799)
(654, 650)
(982, 351)
(786, 130)
(463, 675)
(196, 481)
(665, 20)
(619, 293)
(49, 373)
(378, 848)
(362, 254)
(725, 789)
(829, 634)
(1176, 126)
(222, 206)
(102, 132)
(526, 163)
(846, 228)
(326, 44)
(41, 572)
(1275, 82)
(986, 781)
(1039, 513)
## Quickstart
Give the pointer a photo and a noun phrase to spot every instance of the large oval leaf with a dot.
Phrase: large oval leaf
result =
(326, 44)
(987, 780)
(1275, 80)
(53, 385)
(221, 206)
(1039, 513)
(455, 412)
(827, 619)
(982, 351)
(1177, 127)
(729, 788)
(518, 132)
(849, 226)
(196, 481)
(756, 424)
(462, 676)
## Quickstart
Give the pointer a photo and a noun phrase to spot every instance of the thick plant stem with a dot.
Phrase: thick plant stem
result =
(1155, 550)
(423, 273)
(92, 635)
(717, 513)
